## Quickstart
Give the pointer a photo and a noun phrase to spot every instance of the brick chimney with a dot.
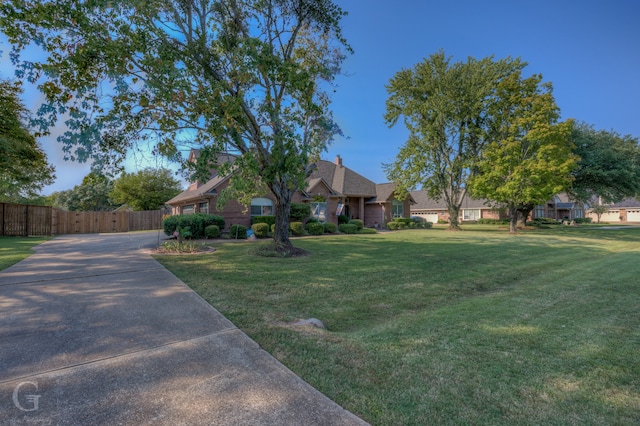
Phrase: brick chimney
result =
(337, 161)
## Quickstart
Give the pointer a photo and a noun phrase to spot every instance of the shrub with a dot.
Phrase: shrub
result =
(261, 229)
(406, 220)
(367, 231)
(427, 225)
(442, 221)
(296, 228)
(195, 222)
(238, 232)
(393, 225)
(272, 228)
(270, 220)
(299, 212)
(342, 219)
(315, 228)
(212, 231)
(357, 222)
(330, 228)
(348, 228)
(582, 220)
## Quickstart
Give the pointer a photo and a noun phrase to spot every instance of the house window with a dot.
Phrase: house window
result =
(319, 211)
(538, 211)
(397, 208)
(578, 214)
(203, 207)
(261, 207)
(188, 209)
(470, 214)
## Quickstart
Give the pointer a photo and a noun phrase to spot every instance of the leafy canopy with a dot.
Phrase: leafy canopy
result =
(449, 111)
(609, 164)
(93, 194)
(24, 169)
(530, 158)
(223, 75)
(148, 189)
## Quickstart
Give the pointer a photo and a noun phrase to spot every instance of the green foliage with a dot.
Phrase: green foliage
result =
(245, 76)
(300, 212)
(358, 223)
(296, 228)
(212, 231)
(393, 225)
(93, 194)
(149, 189)
(270, 220)
(348, 228)
(342, 219)
(487, 221)
(608, 165)
(330, 228)
(531, 158)
(24, 169)
(582, 220)
(314, 228)
(449, 110)
(238, 232)
(260, 229)
(195, 222)
(367, 231)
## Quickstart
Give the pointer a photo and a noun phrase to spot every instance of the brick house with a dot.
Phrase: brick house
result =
(331, 190)
(559, 207)
(470, 210)
(627, 210)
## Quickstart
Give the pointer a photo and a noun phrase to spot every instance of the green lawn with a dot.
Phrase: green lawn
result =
(14, 249)
(439, 327)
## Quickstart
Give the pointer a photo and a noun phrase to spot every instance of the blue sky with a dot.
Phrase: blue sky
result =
(589, 50)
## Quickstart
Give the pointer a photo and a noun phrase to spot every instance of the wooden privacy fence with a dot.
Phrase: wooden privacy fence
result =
(24, 220)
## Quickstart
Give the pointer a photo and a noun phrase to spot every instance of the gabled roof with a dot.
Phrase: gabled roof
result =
(208, 188)
(343, 180)
(626, 203)
(424, 202)
(385, 193)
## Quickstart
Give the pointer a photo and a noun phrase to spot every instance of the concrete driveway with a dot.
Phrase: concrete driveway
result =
(94, 331)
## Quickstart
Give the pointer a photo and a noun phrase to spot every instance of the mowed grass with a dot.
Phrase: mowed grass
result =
(14, 249)
(440, 327)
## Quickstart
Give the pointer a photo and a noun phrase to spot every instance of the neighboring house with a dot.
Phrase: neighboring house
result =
(627, 210)
(331, 190)
(559, 207)
(434, 211)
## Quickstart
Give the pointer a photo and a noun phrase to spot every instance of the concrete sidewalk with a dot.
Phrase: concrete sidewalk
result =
(94, 331)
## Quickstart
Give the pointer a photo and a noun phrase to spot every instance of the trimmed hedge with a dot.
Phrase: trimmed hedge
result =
(486, 221)
(238, 232)
(348, 228)
(270, 220)
(315, 228)
(261, 229)
(330, 228)
(296, 228)
(357, 222)
(342, 219)
(367, 231)
(212, 231)
(196, 223)
(582, 220)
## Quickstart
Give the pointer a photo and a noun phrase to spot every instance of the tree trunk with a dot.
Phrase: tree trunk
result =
(454, 213)
(513, 223)
(283, 210)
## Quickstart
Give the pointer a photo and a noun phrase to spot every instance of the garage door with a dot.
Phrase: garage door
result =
(612, 216)
(633, 215)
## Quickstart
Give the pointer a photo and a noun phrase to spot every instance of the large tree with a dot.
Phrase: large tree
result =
(24, 169)
(609, 164)
(93, 194)
(240, 75)
(148, 189)
(447, 110)
(530, 158)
